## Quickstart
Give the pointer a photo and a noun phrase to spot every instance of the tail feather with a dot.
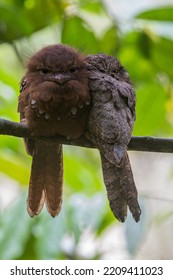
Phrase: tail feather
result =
(115, 192)
(121, 188)
(53, 188)
(128, 185)
(46, 179)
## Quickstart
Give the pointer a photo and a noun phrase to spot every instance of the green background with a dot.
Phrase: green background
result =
(92, 27)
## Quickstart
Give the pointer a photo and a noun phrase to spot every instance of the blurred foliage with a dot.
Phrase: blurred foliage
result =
(46, 238)
(161, 14)
(27, 25)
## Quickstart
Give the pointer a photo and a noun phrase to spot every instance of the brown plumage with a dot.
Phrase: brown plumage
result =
(54, 100)
(110, 126)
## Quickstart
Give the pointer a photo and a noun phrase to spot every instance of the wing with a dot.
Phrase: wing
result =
(22, 105)
(112, 115)
(47, 166)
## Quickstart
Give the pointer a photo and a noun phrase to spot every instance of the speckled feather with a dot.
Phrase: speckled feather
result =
(54, 100)
(110, 127)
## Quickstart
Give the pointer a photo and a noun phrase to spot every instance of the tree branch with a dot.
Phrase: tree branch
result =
(147, 144)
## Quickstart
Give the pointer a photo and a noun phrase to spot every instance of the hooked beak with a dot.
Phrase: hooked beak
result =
(60, 78)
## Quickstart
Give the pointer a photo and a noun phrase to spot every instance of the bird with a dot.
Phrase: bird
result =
(54, 100)
(110, 124)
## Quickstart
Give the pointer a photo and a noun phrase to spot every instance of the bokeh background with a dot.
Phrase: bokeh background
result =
(140, 34)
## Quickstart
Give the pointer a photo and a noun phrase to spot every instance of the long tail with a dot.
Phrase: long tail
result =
(128, 185)
(121, 189)
(46, 179)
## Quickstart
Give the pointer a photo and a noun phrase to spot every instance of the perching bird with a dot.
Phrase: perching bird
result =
(54, 100)
(110, 126)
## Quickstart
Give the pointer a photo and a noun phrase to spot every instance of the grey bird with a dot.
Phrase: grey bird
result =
(110, 126)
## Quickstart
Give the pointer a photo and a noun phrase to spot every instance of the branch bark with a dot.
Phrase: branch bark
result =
(146, 143)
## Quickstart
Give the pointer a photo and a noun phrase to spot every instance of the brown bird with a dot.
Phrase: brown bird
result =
(54, 100)
(110, 126)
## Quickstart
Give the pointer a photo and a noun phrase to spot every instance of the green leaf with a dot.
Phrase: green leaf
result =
(91, 6)
(8, 79)
(162, 55)
(82, 170)
(151, 110)
(8, 102)
(77, 33)
(109, 42)
(21, 19)
(135, 59)
(47, 14)
(160, 14)
(14, 167)
(10, 31)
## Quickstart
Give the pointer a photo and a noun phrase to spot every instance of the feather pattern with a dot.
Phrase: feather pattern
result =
(110, 127)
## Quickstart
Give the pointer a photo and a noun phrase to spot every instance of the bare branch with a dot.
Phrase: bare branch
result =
(151, 144)
(147, 144)
(13, 128)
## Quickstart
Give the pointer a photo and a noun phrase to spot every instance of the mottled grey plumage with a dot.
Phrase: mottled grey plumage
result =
(110, 126)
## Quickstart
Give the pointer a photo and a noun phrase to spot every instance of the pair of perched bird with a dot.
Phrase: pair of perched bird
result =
(66, 93)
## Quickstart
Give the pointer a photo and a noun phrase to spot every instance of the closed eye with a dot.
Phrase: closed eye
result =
(102, 70)
(116, 70)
